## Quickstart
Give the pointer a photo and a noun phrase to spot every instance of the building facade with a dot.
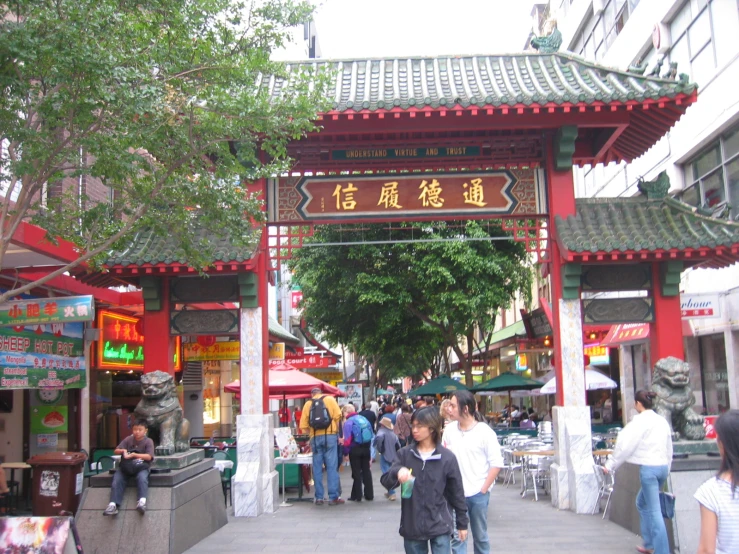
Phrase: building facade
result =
(700, 153)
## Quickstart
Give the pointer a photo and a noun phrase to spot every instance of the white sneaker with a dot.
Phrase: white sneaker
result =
(111, 510)
(141, 506)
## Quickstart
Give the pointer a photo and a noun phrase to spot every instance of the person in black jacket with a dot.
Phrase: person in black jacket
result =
(426, 517)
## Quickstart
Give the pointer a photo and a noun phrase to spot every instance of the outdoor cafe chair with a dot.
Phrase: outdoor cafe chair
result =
(606, 482)
(536, 475)
(510, 466)
(225, 477)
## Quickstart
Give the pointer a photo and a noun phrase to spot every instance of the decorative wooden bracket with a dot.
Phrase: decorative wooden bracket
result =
(564, 147)
(670, 277)
(248, 283)
(571, 281)
(151, 291)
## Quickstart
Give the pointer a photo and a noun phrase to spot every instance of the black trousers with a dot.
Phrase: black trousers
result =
(359, 458)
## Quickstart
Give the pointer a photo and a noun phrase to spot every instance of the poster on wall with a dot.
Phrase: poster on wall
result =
(353, 394)
(42, 356)
(47, 440)
(39, 535)
(49, 419)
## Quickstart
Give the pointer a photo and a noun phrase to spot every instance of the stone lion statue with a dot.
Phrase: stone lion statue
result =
(161, 409)
(671, 382)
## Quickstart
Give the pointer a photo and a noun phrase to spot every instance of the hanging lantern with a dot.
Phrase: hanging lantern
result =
(206, 340)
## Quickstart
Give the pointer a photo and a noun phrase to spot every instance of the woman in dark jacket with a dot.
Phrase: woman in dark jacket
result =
(426, 516)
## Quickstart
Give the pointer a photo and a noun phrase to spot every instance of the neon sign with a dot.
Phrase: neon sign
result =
(121, 346)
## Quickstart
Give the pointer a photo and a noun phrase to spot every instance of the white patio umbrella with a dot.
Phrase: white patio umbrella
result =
(594, 380)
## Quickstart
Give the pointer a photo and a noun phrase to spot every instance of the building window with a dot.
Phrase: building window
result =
(691, 31)
(712, 177)
(601, 30)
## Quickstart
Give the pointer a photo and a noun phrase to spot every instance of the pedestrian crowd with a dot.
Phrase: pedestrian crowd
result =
(442, 458)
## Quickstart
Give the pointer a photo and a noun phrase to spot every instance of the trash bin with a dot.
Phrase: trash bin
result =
(57, 482)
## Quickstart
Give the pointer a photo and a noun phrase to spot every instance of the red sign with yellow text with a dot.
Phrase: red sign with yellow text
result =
(121, 345)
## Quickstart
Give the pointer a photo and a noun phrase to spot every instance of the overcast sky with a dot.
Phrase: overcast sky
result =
(380, 28)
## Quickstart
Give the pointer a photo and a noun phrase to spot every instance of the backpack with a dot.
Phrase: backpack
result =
(361, 430)
(318, 417)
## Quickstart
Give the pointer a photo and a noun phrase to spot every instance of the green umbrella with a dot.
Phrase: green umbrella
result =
(441, 385)
(507, 382)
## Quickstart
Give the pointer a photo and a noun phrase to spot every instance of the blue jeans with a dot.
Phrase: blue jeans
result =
(439, 545)
(477, 510)
(385, 467)
(118, 488)
(324, 448)
(653, 529)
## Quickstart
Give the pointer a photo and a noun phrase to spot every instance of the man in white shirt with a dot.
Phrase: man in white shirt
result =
(480, 460)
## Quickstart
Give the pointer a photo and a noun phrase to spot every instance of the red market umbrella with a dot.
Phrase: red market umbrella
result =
(290, 383)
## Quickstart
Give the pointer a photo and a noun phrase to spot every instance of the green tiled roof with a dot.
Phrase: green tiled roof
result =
(639, 225)
(484, 80)
(146, 247)
(278, 331)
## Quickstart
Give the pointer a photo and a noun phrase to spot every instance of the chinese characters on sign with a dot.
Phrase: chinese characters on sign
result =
(49, 356)
(63, 309)
(408, 195)
(121, 344)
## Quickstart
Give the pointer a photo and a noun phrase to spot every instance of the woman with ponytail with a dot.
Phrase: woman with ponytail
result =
(647, 442)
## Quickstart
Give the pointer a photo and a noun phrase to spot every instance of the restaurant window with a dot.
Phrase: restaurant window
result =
(714, 374)
(712, 177)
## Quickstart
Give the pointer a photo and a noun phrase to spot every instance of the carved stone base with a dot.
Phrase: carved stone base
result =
(179, 460)
(255, 484)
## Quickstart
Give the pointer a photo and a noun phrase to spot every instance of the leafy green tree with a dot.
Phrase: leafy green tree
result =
(160, 100)
(452, 277)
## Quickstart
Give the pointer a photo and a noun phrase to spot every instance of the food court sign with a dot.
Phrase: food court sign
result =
(42, 356)
(62, 309)
(401, 196)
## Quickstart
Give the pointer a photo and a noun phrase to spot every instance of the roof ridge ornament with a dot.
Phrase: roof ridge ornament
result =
(655, 189)
(548, 44)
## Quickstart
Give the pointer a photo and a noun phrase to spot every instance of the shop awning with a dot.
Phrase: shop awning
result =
(627, 333)
(511, 331)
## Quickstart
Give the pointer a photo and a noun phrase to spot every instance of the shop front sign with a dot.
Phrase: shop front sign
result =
(277, 351)
(121, 344)
(194, 352)
(699, 306)
(42, 356)
(62, 309)
(49, 419)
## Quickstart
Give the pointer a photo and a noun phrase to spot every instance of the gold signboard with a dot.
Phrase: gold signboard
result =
(194, 352)
(277, 351)
(327, 375)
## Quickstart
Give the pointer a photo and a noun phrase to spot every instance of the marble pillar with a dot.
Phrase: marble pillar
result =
(255, 485)
(574, 486)
(627, 383)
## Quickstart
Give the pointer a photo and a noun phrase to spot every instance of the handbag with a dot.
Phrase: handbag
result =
(132, 466)
(667, 504)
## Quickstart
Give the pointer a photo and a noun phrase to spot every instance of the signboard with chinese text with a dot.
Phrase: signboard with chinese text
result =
(438, 196)
(295, 297)
(277, 351)
(699, 306)
(61, 309)
(301, 360)
(42, 356)
(598, 354)
(537, 324)
(626, 333)
(194, 352)
(120, 345)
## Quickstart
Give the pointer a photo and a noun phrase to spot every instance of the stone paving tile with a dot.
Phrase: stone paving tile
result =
(516, 526)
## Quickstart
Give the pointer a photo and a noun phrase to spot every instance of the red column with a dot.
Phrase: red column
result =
(561, 198)
(665, 332)
(158, 344)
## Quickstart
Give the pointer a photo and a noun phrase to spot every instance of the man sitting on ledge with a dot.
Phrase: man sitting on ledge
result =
(137, 452)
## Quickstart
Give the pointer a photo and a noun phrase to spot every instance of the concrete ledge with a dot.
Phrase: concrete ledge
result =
(171, 479)
(177, 517)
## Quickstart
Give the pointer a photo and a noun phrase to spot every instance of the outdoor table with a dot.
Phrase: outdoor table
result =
(96, 465)
(602, 452)
(12, 466)
(223, 465)
(533, 453)
(301, 459)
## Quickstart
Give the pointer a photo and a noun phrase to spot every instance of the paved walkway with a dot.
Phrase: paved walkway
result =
(516, 525)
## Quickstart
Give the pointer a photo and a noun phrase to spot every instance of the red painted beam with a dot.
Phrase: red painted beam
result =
(34, 238)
